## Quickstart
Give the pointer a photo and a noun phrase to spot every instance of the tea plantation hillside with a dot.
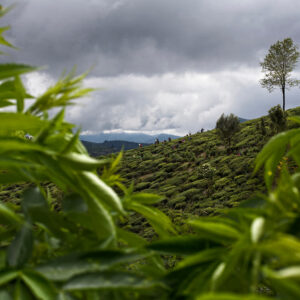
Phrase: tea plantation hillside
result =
(197, 174)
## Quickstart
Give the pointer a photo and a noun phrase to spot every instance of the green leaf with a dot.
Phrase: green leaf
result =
(74, 203)
(209, 255)
(101, 191)
(12, 70)
(130, 238)
(61, 94)
(286, 288)
(68, 266)
(51, 127)
(33, 198)
(20, 94)
(17, 121)
(215, 231)
(5, 103)
(100, 218)
(39, 285)
(272, 153)
(21, 292)
(4, 295)
(181, 245)
(8, 177)
(147, 199)
(222, 296)
(7, 276)
(17, 144)
(108, 280)
(21, 247)
(8, 215)
(157, 219)
(81, 161)
(71, 145)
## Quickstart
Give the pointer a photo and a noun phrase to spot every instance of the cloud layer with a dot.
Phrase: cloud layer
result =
(164, 65)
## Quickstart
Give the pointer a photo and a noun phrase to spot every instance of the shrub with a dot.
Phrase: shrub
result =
(227, 127)
(222, 183)
(278, 118)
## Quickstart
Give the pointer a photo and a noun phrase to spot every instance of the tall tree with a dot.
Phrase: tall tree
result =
(278, 66)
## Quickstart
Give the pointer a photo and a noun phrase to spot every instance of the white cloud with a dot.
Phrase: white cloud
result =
(176, 103)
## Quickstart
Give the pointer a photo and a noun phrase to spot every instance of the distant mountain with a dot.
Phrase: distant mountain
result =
(97, 149)
(243, 120)
(129, 137)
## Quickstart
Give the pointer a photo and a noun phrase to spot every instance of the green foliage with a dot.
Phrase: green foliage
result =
(227, 126)
(278, 118)
(278, 66)
(81, 251)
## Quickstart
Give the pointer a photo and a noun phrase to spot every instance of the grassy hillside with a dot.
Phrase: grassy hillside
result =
(196, 174)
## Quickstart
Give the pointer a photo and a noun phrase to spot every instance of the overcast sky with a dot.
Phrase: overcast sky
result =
(162, 65)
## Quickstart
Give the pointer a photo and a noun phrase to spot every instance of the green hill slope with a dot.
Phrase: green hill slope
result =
(196, 174)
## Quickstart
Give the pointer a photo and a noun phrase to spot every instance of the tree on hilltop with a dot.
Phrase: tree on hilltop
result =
(227, 127)
(278, 66)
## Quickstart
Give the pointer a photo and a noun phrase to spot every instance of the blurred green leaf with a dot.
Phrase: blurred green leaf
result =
(33, 198)
(130, 238)
(39, 286)
(16, 121)
(214, 231)
(20, 93)
(211, 254)
(9, 216)
(7, 276)
(286, 288)
(20, 249)
(109, 280)
(66, 267)
(157, 219)
(12, 70)
(21, 292)
(221, 296)
(61, 94)
(4, 295)
(181, 245)
(147, 199)
(51, 127)
(81, 161)
(102, 192)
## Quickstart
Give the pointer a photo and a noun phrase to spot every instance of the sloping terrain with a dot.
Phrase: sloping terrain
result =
(197, 174)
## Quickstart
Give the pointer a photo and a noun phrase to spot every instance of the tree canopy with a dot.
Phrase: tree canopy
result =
(278, 66)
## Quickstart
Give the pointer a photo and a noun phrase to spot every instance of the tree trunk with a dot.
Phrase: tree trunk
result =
(283, 98)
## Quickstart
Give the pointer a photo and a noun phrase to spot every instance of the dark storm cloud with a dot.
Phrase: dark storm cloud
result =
(149, 37)
(163, 64)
